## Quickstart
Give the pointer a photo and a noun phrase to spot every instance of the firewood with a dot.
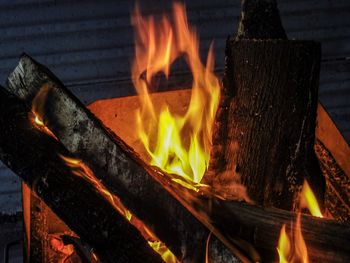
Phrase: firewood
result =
(35, 157)
(244, 224)
(144, 190)
(266, 120)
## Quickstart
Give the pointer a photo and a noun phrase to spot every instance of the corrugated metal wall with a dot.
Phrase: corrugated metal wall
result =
(89, 45)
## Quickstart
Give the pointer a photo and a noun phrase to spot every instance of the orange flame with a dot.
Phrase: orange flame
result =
(38, 106)
(182, 142)
(299, 252)
(283, 248)
(292, 252)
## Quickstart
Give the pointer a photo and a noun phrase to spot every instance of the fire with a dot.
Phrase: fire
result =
(181, 143)
(296, 251)
(309, 201)
(283, 248)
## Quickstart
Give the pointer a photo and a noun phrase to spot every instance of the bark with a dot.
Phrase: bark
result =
(34, 156)
(266, 120)
(145, 191)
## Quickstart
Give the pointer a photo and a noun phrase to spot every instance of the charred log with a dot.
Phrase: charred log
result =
(145, 191)
(34, 156)
(265, 125)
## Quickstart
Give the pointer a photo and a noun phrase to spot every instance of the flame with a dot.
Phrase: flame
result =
(299, 252)
(292, 252)
(283, 248)
(82, 170)
(309, 201)
(182, 142)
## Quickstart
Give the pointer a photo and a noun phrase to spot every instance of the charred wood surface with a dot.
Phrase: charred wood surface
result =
(34, 156)
(266, 120)
(113, 162)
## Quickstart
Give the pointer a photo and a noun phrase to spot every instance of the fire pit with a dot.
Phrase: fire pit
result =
(224, 172)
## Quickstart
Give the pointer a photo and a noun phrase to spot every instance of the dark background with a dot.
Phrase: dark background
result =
(89, 45)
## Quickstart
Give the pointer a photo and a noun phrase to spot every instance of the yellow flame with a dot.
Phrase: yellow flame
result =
(292, 252)
(309, 201)
(283, 248)
(299, 252)
(300, 245)
(182, 143)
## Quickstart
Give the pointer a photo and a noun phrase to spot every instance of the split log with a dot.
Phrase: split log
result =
(145, 191)
(266, 121)
(34, 156)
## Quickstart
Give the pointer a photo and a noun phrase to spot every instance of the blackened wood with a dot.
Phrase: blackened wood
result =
(116, 164)
(260, 19)
(34, 156)
(268, 114)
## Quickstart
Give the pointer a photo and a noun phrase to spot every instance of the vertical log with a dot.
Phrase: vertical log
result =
(266, 122)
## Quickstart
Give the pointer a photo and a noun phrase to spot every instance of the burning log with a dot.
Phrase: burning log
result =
(327, 240)
(35, 157)
(145, 191)
(266, 121)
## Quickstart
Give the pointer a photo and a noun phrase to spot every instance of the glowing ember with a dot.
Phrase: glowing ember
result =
(296, 251)
(182, 142)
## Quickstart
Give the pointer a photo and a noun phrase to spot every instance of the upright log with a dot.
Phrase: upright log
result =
(144, 190)
(266, 120)
(34, 156)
